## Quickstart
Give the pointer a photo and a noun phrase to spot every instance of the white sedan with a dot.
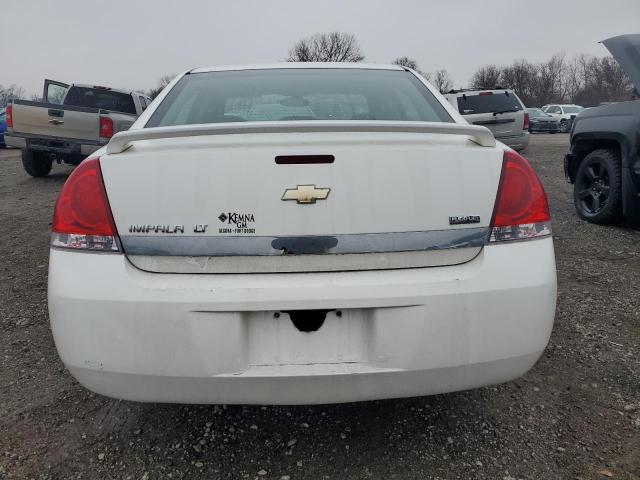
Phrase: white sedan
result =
(298, 234)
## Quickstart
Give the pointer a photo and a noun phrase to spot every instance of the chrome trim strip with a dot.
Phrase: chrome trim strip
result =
(304, 263)
(223, 246)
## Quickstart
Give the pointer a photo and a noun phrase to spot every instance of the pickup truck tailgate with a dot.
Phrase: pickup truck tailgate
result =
(52, 120)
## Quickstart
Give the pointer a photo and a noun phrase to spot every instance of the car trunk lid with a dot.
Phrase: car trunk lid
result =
(356, 200)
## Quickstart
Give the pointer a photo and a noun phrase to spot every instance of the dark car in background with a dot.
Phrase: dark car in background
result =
(3, 126)
(542, 122)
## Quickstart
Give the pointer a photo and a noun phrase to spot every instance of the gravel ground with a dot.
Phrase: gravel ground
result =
(575, 415)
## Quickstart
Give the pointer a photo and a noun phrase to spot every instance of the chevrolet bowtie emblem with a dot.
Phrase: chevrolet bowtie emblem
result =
(306, 194)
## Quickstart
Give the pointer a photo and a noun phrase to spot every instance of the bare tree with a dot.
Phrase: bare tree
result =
(585, 80)
(577, 74)
(412, 64)
(163, 82)
(442, 80)
(553, 74)
(486, 77)
(618, 85)
(406, 62)
(327, 47)
(521, 77)
(10, 93)
(599, 80)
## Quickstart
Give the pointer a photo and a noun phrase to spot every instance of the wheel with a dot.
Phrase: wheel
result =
(553, 131)
(36, 164)
(564, 126)
(597, 193)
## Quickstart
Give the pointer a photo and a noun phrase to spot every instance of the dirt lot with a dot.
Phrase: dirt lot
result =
(576, 415)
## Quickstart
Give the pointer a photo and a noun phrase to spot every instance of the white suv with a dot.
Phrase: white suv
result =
(499, 110)
(563, 113)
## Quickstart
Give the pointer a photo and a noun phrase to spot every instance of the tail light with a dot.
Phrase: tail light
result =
(526, 121)
(106, 127)
(521, 210)
(82, 218)
(9, 116)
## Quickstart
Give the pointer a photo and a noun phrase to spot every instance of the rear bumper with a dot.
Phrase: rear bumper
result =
(517, 142)
(300, 386)
(17, 142)
(542, 127)
(215, 339)
(62, 146)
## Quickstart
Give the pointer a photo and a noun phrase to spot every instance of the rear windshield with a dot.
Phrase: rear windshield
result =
(488, 103)
(298, 94)
(100, 98)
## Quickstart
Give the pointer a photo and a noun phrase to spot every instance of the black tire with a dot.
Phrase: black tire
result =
(597, 192)
(553, 131)
(36, 164)
(564, 126)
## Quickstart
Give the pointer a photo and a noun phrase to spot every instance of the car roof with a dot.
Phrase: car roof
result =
(288, 65)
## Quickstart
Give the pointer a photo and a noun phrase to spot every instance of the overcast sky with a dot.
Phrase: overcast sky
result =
(130, 44)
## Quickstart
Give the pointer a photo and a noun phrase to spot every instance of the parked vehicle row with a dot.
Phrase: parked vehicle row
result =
(81, 118)
(502, 111)
(71, 123)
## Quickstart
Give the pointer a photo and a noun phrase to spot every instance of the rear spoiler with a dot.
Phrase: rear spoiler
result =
(123, 140)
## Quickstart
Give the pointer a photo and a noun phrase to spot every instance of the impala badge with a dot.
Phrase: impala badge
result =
(306, 194)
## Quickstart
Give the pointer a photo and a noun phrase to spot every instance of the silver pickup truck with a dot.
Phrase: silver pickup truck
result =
(70, 124)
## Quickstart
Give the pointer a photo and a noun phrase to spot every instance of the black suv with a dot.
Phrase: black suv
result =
(603, 162)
